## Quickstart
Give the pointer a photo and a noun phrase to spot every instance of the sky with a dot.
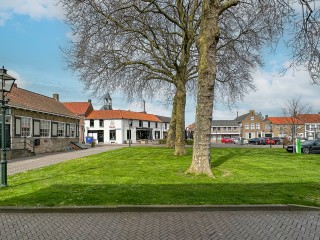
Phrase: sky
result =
(32, 33)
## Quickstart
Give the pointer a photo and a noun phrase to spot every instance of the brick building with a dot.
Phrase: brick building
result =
(35, 118)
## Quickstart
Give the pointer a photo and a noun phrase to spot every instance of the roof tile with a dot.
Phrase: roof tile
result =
(22, 98)
(122, 114)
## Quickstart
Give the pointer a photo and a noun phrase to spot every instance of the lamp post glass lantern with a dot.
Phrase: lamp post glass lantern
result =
(270, 135)
(6, 85)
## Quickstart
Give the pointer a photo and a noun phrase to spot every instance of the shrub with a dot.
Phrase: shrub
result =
(189, 141)
(93, 144)
(162, 141)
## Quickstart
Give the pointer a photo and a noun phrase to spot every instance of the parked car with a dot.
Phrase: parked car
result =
(278, 140)
(227, 140)
(257, 141)
(269, 141)
(309, 146)
(240, 140)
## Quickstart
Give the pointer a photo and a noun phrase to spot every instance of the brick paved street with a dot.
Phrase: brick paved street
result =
(163, 225)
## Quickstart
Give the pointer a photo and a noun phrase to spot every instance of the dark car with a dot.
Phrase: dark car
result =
(309, 146)
(257, 141)
(277, 140)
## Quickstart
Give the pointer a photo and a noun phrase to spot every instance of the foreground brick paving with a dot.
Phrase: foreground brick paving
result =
(259, 225)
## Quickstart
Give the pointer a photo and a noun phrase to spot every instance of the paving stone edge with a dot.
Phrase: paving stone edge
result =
(157, 208)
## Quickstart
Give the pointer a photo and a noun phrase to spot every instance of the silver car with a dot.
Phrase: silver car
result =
(240, 140)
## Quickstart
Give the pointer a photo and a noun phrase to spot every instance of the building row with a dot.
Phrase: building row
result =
(253, 125)
(44, 124)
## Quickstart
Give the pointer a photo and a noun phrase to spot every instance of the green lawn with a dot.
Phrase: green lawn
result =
(145, 175)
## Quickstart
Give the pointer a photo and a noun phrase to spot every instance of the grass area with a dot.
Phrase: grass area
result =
(145, 175)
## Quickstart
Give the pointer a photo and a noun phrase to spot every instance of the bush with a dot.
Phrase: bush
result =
(162, 141)
(93, 144)
(189, 141)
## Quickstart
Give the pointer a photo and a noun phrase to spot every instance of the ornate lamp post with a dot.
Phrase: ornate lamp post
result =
(270, 134)
(6, 85)
(130, 125)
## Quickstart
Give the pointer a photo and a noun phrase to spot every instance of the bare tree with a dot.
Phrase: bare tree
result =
(292, 111)
(138, 47)
(143, 47)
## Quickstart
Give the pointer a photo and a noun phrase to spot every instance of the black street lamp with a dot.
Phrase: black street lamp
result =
(130, 125)
(6, 85)
(270, 135)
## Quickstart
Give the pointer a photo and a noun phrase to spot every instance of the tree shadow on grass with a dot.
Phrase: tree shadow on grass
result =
(182, 194)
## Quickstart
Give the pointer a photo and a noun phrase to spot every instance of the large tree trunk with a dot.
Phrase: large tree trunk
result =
(180, 119)
(171, 139)
(207, 44)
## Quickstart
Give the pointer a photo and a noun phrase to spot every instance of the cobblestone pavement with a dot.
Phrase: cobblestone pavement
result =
(224, 225)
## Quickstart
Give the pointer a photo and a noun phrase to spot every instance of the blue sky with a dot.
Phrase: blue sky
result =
(32, 32)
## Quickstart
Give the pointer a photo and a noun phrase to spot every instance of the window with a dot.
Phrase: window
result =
(17, 126)
(156, 134)
(165, 126)
(252, 125)
(149, 124)
(140, 123)
(112, 135)
(101, 122)
(61, 129)
(36, 128)
(235, 128)
(91, 123)
(258, 126)
(247, 126)
(156, 125)
(72, 130)
(252, 118)
(67, 130)
(128, 134)
(54, 129)
(25, 126)
(219, 128)
(44, 128)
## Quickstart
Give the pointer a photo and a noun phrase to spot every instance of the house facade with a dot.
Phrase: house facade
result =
(311, 125)
(252, 125)
(39, 123)
(80, 109)
(224, 128)
(119, 126)
(286, 127)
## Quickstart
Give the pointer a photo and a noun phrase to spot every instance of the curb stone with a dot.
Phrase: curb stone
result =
(157, 208)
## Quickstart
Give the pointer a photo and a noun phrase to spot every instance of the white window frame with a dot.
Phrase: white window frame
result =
(72, 130)
(45, 126)
(24, 122)
(247, 126)
(61, 129)
(258, 126)
(252, 126)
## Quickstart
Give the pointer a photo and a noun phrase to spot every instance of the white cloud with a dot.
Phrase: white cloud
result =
(35, 9)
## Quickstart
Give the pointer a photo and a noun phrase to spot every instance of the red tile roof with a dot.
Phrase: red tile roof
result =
(285, 120)
(310, 118)
(25, 99)
(79, 108)
(122, 114)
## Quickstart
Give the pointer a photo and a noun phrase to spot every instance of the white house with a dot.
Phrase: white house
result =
(118, 126)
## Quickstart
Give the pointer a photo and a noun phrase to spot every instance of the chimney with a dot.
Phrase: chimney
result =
(89, 100)
(266, 117)
(251, 112)
(56, 96)
(144, 106)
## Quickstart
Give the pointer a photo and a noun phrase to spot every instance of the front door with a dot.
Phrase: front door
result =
(100, 136)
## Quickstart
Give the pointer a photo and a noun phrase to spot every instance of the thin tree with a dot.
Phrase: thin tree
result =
(292, 111)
